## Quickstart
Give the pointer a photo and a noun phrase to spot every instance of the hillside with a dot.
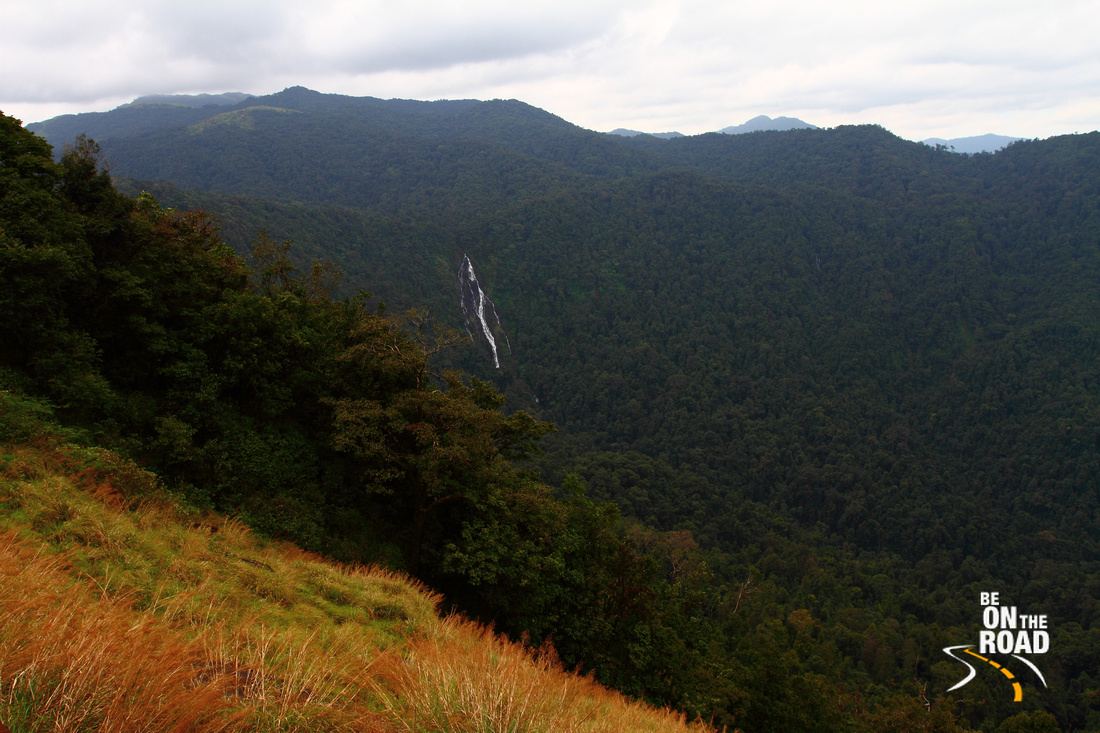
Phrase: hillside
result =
(122, 608)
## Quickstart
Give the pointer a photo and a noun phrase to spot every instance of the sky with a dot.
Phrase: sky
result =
(932, 68)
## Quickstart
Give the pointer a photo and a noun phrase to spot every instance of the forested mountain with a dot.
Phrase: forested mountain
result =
(363, 153)
(861, 373)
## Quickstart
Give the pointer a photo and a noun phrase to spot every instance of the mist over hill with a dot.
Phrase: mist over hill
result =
(192, 100)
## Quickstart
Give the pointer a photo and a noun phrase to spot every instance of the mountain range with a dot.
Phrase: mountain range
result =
(56, 127)
(859, 371)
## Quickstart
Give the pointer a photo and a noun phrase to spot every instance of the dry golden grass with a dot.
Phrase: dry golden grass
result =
(465, 679)
(121, 610)
(75, 662)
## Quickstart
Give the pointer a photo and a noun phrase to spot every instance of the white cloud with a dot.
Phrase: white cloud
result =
(919, 68)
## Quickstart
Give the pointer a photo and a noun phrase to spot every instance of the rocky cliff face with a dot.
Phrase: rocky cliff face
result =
(479, 313)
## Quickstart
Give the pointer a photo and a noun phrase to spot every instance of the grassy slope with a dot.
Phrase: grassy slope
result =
(121, 609)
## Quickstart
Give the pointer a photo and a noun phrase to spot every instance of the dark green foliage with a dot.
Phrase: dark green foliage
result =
(1035, 722)
(42, 259)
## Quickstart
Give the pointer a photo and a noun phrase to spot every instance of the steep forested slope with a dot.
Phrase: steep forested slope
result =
(811, 350)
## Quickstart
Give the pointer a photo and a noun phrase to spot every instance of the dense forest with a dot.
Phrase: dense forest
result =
(831, 385)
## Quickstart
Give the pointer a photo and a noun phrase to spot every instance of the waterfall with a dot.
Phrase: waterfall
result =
(479, 313)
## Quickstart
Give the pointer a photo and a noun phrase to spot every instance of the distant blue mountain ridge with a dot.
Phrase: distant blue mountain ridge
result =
(987, 143)
(977, 144)
(760, 122)
(763, 122)
(623, 132)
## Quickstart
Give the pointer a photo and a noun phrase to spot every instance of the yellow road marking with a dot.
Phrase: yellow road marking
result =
(1015, 685)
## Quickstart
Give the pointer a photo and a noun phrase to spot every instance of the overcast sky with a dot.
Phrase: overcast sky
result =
(921, 69)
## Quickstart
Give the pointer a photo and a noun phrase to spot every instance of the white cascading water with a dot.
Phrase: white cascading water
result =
(478, 309)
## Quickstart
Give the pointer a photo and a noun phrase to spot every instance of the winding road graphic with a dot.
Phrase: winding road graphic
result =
(966, 648)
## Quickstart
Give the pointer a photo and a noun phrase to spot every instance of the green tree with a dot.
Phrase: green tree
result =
(1036, 721)
(428, 446)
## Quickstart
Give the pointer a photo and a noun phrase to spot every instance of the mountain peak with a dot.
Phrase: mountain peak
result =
(763, 122)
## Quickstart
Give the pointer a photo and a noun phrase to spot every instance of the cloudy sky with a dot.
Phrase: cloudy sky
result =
(921, 69)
